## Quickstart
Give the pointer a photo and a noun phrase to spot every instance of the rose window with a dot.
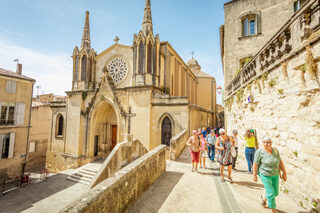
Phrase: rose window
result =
(117, 69)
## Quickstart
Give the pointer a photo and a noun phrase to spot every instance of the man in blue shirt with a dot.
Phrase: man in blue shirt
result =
(211, 139)
(204, 133)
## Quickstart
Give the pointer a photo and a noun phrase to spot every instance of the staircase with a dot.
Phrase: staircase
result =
(86, 173)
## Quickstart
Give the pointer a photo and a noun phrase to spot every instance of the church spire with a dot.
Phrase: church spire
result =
(85, 41)
(147, 19)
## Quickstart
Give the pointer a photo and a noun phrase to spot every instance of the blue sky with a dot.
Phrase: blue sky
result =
(43, 33)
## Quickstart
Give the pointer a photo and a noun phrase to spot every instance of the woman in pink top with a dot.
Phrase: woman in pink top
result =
(203, 151)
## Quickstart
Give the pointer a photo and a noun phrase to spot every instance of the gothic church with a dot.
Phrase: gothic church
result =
(145, 90)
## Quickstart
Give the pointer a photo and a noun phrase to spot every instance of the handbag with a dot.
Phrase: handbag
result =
(233, 152)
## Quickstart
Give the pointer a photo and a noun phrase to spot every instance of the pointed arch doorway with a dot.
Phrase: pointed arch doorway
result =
(104, 130)
(166, 131)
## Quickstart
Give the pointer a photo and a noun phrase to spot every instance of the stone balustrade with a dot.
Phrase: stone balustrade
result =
(289, 40)
(177, 144)
(122, 154)
(120, 192)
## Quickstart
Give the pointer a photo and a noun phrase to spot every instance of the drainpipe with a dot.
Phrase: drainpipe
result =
(165, 69)
(26, 156)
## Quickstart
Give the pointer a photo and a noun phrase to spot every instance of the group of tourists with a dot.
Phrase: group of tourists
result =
(264, 162)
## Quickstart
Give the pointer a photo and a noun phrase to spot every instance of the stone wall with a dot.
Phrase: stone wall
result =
(121, 155)
(120, 192)
(279, 96)
(177, 144)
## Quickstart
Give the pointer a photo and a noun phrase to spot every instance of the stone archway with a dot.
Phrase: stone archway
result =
(166, 131)
(103, 130)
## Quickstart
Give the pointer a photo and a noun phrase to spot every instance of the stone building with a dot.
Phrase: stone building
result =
(15, 104)
(277, 92)
(248, 25)
(145, 89)
(40, 130)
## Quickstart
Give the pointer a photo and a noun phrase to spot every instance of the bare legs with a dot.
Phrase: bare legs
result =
(229, 172)
(203, 160)
(194, 166)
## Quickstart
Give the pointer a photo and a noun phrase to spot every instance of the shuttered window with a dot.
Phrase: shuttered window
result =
(7, 145)
(19, 118)
(11, 86)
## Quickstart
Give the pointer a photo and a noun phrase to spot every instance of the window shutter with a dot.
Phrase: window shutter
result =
(1, 145)
(8, 87)
(11, 146)
(13, 86)
(20, 108)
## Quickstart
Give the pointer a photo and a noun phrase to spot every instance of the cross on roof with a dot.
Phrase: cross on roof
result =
(192, 53)
(117, 39)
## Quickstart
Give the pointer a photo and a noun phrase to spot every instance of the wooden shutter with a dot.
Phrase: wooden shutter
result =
(13, 86)
(20, 108)
(1, 145)
(8, 87)
(11, 145)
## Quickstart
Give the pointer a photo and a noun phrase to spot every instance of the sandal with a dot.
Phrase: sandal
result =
(230, 179)
(263, 202)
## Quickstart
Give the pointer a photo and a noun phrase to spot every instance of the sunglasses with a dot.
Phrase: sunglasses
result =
(222, 133)
(268, 142)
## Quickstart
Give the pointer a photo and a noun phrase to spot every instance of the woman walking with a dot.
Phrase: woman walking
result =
(235, 137)
(203, 150)
(250, 148)
(224, 157)
(267, 162)
(194, 144)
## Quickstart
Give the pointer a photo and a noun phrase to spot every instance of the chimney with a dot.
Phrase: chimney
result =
(19, 68)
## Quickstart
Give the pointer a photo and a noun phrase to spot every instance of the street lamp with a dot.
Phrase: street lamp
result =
(219, 89)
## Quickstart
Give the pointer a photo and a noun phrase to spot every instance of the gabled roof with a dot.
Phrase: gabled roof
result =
(11, 74)
(203, 74)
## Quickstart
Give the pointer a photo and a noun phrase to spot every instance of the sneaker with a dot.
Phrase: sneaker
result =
(222, 179)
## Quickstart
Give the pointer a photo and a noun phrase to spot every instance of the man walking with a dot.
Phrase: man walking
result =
(211, 139)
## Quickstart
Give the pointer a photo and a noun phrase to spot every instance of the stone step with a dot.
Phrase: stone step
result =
(81, 174)
(78, 180)
(89, 170)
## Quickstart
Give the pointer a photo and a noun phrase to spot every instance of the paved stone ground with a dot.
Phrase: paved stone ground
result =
(180, 190)
(47, 196)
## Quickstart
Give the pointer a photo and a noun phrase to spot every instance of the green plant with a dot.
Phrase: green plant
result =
(295, 153)
(84, 95)
(306, 199)
(314, 203)
(265, 76)
(280, 91)
(286, 191)
(272, 82)
(239, 94)
(238, 71)
(301, 203)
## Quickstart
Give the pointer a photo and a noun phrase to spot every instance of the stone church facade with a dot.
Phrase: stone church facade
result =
(145, 90)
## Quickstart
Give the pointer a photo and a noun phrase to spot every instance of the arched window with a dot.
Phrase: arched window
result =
(166, 131)
(76, 68)
(83, 68)
(141, 58)
(149, 60)
(59, 126)
(249, 24)
(90, 70)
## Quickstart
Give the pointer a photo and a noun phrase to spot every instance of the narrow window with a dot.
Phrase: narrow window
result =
(10, 120)
(83, 68)
(3, 114)
(141, 58)
(245, 26)
(76, 75)
(149, 60)
(60, 126)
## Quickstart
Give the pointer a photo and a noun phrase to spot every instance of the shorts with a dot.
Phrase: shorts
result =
(203, 153)
(195, 156)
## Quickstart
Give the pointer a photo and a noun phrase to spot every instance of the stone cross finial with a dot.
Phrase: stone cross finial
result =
(192, 53)
(116, 39)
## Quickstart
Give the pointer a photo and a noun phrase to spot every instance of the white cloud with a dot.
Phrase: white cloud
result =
(52, 71)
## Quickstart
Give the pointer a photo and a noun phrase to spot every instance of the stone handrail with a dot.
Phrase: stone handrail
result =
(177, 144)
(122, 154)
(120, 192)
(289, 40)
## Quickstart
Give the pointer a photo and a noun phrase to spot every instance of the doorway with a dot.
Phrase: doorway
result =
(166, 131)
(96, 145)
(114, 136)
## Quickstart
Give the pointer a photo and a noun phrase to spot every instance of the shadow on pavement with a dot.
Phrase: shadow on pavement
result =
(249, 184)
(24, 198)
(153, 199)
